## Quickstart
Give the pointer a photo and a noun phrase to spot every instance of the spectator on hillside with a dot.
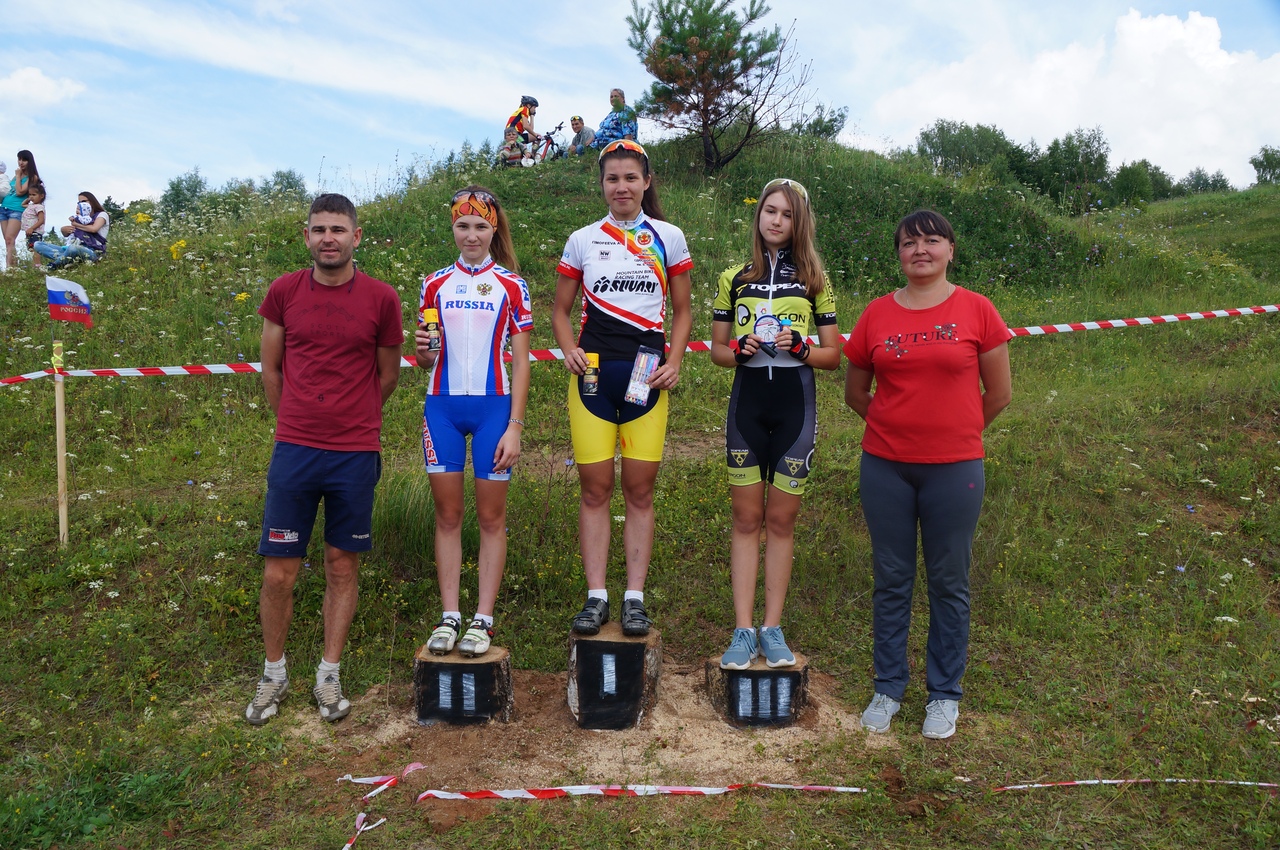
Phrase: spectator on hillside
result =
(85, 238)
(512, 151)
(11, 207)
(583, 135)
(522, 119)
(620, 123)
(33, 219)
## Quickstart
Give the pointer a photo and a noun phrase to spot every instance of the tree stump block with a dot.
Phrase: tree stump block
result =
(463, 690)
(613, 679)
(760, 695)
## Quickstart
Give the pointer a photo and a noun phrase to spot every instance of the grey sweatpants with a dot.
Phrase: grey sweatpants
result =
(943, 500)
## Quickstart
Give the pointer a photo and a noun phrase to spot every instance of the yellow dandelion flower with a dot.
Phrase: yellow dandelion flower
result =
(750, 201)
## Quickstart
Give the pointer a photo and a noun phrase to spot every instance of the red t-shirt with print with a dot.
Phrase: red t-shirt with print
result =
(927, 404)
(332, 398)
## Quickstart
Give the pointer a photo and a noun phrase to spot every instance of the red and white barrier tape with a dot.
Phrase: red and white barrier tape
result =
(549, 354)
(1040, 330)
(1078, 782)
(624, 791)
(361, 828)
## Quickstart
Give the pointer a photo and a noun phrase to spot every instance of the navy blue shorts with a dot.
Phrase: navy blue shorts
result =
(298, 478)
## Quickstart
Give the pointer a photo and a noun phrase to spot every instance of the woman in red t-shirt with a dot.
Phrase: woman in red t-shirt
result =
(938, 355)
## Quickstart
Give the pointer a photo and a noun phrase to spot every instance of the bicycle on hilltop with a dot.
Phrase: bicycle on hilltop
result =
(546, 146)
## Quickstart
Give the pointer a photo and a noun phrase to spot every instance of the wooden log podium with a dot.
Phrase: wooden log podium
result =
(458, 689)
(760, 695)
(613, 679)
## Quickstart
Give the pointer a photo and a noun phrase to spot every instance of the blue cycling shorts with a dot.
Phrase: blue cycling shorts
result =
(447, 421)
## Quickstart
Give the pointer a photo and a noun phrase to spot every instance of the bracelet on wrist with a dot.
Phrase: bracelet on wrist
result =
(519, 422)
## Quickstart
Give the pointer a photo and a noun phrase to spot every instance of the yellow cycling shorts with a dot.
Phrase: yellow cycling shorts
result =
(600, 422)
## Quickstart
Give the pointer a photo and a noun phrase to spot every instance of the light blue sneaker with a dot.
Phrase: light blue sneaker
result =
(743, 650)
(940, 718)
(879, 713)
(774, 647)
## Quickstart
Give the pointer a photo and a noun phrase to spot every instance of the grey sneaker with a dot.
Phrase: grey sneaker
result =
(743, 650)
(266, 701)
(328, 694)
(477, 639)
(444, 636)
(774, 647)
(940, 718)
(877, 716)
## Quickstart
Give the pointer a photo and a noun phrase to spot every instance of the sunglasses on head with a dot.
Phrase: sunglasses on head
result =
(480, 196)
(783, 181)
(625, 145)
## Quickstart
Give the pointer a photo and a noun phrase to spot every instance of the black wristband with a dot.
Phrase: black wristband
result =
(739, 355)
(799, 349)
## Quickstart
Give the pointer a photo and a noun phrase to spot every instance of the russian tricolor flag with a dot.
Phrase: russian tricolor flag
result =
(68, 302)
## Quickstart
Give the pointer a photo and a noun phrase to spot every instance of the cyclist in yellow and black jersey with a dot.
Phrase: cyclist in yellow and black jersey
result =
(762, 314)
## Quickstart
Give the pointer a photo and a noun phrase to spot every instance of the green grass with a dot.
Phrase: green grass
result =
(1135, 471)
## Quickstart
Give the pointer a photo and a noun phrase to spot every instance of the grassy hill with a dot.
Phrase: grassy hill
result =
(1125, 573)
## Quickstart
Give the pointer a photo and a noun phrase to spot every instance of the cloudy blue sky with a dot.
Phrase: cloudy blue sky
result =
(118, 96)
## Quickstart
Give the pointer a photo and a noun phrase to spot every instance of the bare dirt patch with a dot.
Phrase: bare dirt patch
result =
(681, 742)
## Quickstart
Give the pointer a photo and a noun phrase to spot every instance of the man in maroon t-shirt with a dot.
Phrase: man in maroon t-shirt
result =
(331, 341)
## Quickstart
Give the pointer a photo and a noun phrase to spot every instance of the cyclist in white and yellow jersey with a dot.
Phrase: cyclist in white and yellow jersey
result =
(618, 274)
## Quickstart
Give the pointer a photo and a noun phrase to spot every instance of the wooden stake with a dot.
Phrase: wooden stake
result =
(60, 414)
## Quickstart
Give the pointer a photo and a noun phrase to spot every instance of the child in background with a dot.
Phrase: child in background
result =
(33, 219)
(512, 151)
(4, 180)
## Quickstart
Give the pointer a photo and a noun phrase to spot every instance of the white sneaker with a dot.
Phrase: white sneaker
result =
(940, 718)
(477, 639)
(266, 700)
(878, 714)
(444, 636)
(328, 694)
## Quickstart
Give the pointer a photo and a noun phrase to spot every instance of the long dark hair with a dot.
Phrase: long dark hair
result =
(93, 203)
(32, 173)
(649, 202)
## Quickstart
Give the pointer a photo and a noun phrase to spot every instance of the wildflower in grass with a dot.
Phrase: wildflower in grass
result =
(1247, 562)
(1225, 620)
(95, 585)
(173, 606)
(113, 594)
(176, 249)
(1226, 577)
(141, 218)
(749, 201)
(220, 556)
(1182, 568)
(241, 297)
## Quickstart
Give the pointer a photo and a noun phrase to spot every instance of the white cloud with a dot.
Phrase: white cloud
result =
(396, 51)
(29, 87)
(1164, 90)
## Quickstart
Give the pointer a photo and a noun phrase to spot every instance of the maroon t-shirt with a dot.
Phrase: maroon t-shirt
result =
(331, 398)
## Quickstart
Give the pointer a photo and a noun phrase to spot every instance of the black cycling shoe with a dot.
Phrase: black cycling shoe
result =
(635, 620)
(592, 616)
